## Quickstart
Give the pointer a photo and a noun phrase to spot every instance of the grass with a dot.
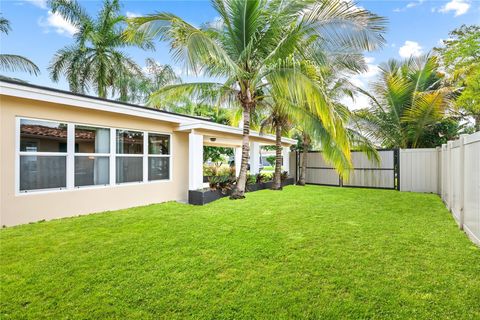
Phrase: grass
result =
(312, 252)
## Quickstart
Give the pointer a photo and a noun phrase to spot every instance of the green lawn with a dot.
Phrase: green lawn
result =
(312, 252)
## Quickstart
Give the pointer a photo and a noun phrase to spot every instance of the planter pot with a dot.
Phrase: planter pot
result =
(288, 181)
(254, 187)
(201, 197)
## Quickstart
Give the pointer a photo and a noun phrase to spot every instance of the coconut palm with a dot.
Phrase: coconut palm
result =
(246, 43)
(331, 70)
(13, 62)
(408, 99)
(137, 88)
(95, 61)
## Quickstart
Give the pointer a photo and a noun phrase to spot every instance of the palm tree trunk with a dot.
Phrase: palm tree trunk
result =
(303, 169)
(239, 191)
(277, 177)
(477, 122)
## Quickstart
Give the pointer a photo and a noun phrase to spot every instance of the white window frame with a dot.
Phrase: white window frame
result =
(81, 154)
(130, 155)
(71, 154)
(19, 153)
(148, 155)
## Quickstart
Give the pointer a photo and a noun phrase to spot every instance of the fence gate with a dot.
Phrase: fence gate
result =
(365, 173)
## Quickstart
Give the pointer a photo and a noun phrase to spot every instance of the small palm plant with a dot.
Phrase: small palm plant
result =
(408, 98)
(13, 62)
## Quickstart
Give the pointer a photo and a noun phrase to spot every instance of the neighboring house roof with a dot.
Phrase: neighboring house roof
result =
(184, 122)
(44, 131)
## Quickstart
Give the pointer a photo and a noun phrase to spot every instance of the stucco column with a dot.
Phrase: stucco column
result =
(195, 161)
(254, 157)
(286, 159)
(238, 160)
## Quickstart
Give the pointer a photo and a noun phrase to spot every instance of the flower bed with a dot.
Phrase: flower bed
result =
(204, 196)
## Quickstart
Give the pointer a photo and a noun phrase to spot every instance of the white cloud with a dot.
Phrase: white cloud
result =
(38, 3)
(410, 48)
(459, 6)
(133, 14)
(56, 22)
(409, 6)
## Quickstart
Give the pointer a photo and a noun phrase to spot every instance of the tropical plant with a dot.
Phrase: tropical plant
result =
(409, 99)
(137, 88)
(216, 154)
(13, 62)
(460, 57)
(95, 61)
(222, 183)
(247, 42)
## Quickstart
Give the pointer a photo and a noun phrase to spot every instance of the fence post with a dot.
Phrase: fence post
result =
(444, 173)
(396, 165)
(450, 175)
(439, 171)
(461, 197)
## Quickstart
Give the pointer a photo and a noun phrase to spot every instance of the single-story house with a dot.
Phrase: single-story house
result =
(65, 154)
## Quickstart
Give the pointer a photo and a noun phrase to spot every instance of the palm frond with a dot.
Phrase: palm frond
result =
(12, 62)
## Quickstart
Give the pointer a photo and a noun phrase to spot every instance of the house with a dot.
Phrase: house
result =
(65, 154)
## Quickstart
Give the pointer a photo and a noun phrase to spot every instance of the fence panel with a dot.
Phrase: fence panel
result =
(455, 170)
(456, 179)
(368, 173)
(319, 171)
(419, 170)
(471, 197)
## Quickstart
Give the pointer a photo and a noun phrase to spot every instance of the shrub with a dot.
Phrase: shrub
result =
(209, 170)
(271, 160)
(284, 176)
(251, 178)
(264, 177)
(222, 183)
(226, 171)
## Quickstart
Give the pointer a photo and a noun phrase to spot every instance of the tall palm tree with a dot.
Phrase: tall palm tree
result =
(331, 70)
(95, 61)
(408, 99)
(247, 42)
(13, 62)
(137, 88)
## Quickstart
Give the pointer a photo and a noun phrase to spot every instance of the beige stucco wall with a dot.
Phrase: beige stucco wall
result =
(23, 208)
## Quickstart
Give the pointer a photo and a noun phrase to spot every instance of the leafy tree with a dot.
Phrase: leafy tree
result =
(246, 44)
(460, 57)
(469, 99)
(216, 154)
(95, 61)
(13, 62)
(271, 160)
(409, 100)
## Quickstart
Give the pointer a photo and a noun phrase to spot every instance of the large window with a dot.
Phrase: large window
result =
(42, 155)
(56, 155)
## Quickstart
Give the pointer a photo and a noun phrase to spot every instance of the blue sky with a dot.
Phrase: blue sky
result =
(414, 27)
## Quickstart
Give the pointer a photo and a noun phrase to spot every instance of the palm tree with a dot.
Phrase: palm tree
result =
(95, 60)
(246, 44)
(13, 62)
(408, 99)
(137, 88)
(331, 71)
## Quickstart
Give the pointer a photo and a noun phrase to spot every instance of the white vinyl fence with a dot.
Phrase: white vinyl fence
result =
(453, 172)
